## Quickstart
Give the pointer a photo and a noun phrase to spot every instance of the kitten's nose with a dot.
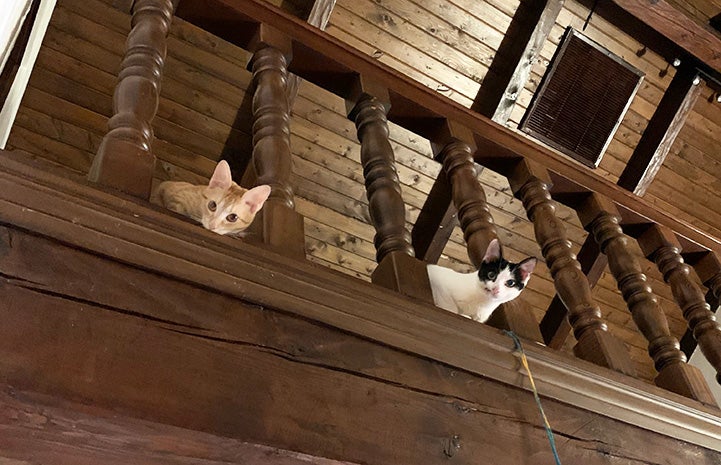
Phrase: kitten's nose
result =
(495, 291)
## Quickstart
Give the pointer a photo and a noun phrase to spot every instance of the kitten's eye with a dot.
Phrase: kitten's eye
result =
(491, 275)
(212, 205)
(232, 218)
(510, 283)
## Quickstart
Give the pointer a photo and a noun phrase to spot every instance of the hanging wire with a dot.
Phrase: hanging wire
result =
(524, 361)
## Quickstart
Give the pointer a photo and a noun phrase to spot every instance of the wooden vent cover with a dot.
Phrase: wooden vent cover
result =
(581, 99)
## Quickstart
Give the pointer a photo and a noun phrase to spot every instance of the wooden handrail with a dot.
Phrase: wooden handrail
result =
(334, 65)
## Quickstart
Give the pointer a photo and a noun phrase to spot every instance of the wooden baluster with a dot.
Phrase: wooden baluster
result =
(277, 223)
(661, 245)
(124, 160)
(708, 268)
(601, 218)
(476, 221)
(397, 269)
(530, 183)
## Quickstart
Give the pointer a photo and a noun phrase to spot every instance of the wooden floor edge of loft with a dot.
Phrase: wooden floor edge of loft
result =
(75, 214)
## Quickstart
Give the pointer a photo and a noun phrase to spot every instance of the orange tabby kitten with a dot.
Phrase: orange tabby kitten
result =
(222, 206)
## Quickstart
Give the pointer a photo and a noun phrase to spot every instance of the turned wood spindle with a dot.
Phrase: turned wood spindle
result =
(385, 203)
(277, 224)
(708, 269)
(660, 245)
(601, 218)
(530, 183)
(469, 199)
(124, 160)
(271, 124)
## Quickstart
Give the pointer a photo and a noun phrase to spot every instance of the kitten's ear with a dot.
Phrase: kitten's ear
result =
(493, 252)
(256, 197)
(221, 179)
(527, 266)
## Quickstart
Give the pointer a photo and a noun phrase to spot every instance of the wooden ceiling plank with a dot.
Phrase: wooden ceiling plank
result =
(512, 64)
(665, 124)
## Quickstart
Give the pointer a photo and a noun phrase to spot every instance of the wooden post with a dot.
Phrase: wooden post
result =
(555, 326)
(124, 160)
(530, 183)
(601, 218)
(661, 245)
(511, 67)
(476, 221)
(277, 224)
(708, 268)
(397, 269)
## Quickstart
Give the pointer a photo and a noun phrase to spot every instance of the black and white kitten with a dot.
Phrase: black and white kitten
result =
(475, 295)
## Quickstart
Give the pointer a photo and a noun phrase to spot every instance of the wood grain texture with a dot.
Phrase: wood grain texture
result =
(42, 429)
(230, 368)
(140, 238)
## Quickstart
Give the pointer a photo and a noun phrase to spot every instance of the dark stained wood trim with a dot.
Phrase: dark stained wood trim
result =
(512, 64)
(128, 231)
(665, 124)
(65, 432)
(555, 327)
(694, 38)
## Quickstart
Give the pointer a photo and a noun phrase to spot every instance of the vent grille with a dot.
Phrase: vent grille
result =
(582, 99)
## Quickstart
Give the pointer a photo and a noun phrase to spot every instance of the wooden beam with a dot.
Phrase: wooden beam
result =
(554, 325)
(519, 50)
(694, 38)
(319, 16)
(435, 222)
(38, 428)
(662, 129)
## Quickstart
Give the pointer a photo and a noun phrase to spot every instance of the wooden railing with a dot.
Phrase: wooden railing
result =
(376, 94)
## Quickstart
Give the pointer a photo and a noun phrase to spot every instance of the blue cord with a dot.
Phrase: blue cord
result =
(524, 361)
